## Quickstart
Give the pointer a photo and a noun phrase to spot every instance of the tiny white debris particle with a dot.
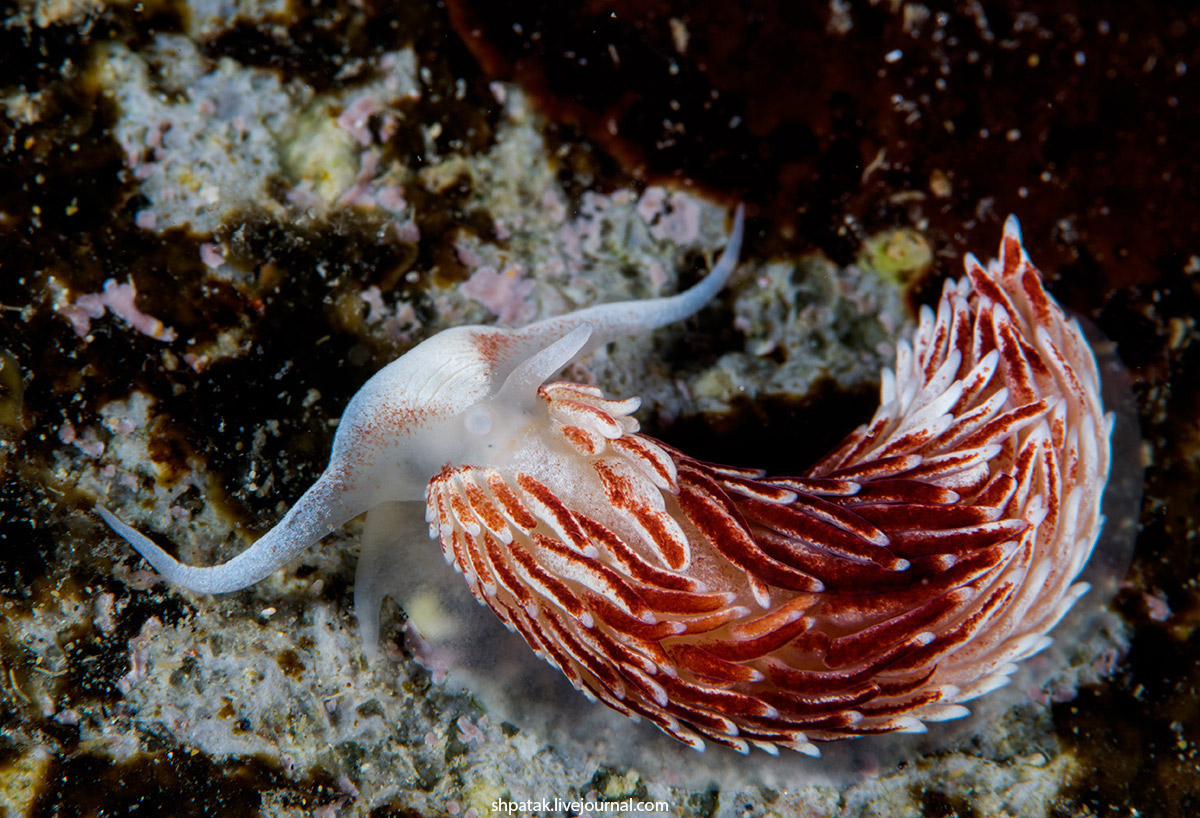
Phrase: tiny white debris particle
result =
(1013, 134)
(893, 56)
(939, 184)
(875, 164)
(267, 613)
(679, 34)
(105, 607)
(840, 20)
(1080, 58)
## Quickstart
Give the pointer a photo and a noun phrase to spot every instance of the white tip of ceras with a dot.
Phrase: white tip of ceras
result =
(909, 724)
(1012, 228)
(971, 262)
(767, 747)
(1041, 644)
(981, 687)
(1013, 257)
(945, 712)
(807, 748)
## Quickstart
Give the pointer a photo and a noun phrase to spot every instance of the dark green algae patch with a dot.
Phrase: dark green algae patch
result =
(177, 784)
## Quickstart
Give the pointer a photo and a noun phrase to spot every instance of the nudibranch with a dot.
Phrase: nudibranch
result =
(901, 576)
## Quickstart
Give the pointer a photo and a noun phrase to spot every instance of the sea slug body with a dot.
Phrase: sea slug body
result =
(901, 576)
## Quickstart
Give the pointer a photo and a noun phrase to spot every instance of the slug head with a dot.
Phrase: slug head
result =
(465, 396)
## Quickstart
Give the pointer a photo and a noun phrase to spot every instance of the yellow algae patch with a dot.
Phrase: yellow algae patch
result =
(320, 156)
(900, 256)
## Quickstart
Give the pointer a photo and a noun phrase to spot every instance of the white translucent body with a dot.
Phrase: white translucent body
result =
(461, 397)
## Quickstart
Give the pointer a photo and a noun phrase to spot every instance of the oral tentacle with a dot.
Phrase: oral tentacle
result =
(327, 505)
(622, 319)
